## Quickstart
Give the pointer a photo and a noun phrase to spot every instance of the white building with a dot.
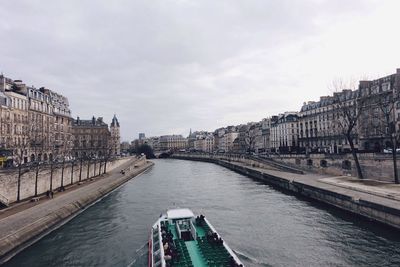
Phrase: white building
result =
(284, 133)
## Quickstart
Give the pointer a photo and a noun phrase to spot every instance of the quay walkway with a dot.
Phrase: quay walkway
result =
(377, 201)
(22, 225)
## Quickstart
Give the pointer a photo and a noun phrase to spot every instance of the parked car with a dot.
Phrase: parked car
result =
(389, 150)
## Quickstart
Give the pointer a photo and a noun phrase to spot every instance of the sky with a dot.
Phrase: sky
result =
(165, 67)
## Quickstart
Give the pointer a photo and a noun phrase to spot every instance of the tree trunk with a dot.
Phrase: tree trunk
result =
(80, 171)
(394, 155)
(19, 183)
(100, 167)
(72, 172)
(62, 175)
(88, 169)
(51, 177)
(36, 178)
(355, 157)
(94, 170)
(105, 165)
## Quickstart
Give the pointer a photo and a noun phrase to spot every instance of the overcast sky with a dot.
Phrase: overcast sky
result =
(167, 66)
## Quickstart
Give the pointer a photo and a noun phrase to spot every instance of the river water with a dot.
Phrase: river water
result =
(264, 226)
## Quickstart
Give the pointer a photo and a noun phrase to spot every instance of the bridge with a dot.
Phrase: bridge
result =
(163, 154)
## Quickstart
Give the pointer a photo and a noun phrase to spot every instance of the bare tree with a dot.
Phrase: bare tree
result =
(385, 123)
(37, 144)
(21, 149)
(100, 160)
(107, 157)
(250, 140)
(81, 158)
(64, 154)
(88, 165)
(348, 106)
(52, 160)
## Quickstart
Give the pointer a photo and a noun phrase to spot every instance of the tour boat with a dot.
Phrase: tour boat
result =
(178, 238)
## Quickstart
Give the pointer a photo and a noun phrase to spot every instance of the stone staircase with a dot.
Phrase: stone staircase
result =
(4, 202)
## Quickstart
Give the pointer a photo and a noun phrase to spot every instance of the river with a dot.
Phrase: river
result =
(266, 227)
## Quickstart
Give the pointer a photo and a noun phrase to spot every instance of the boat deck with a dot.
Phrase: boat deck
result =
(199, 252)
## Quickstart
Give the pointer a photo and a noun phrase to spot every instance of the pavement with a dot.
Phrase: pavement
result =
(378, 188)
(19, 217)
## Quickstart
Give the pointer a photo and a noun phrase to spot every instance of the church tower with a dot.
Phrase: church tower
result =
(115, 137)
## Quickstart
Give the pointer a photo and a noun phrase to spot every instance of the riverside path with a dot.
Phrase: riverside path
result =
(18, 230)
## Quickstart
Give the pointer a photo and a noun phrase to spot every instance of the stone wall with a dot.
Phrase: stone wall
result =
(9, 177)
(374, 166)
(246, 159)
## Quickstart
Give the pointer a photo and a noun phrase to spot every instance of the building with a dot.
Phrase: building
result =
(256, 138)
(115, 138)
(125, 147)
(62, 128)
(142, 136)
(284, 133)
(5, 130)
(193, 137)
(16, 120)
(172, 142)
(320, 127)
(91, 138)
(35, 123)
(218, 135)
(204, 143)
(243, 131)
(266, 133)
(380, 99)
(317, 132)
(42, 124)
(227, 141)
(154, 143)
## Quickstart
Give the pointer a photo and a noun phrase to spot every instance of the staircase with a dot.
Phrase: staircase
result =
(4, 202)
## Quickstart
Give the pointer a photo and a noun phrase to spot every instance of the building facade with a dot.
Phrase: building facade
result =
(172, 142)
(381, 110)
(91, 138)
(284, 133)
(115, 138)
(204, 143)
(227, 141)
(62, 128)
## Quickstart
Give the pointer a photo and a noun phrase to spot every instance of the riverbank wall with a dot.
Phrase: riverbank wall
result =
(62, 209)
(377, 166)
(379, 209)
(50, 176)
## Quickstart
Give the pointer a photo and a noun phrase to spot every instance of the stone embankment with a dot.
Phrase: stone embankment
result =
(377, 166)
(39, 179)
(19, 230)
(374, 200)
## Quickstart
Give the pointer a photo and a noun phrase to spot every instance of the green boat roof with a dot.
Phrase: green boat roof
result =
(202, 251)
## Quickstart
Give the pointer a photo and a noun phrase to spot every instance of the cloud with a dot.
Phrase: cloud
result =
(167, 66)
